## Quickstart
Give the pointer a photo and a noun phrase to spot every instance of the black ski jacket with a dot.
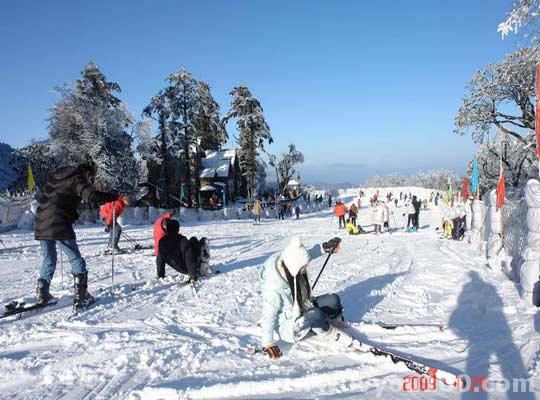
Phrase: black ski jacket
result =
(59, 201)
(178, 252)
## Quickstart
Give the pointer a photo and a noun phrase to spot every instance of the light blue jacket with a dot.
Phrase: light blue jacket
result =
(277, 310)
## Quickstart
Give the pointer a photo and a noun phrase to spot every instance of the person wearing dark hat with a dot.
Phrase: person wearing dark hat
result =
(288, 308)
(183, 255)
(57, 211)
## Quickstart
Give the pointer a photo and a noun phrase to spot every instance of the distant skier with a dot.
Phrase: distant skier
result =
(386, 215)
(289, 309)
(106, 213)
(297, 211)
(329, 201)
(340, 210)
(160, 228)
(353, 229)
(56, 214)
(416, 204)
(411, 212)
(377, 217)
(256, 210)
(353, 212)
(185, 256)
(281, 211)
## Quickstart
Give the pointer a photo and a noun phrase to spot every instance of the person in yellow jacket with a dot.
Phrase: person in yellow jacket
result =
(351, 228)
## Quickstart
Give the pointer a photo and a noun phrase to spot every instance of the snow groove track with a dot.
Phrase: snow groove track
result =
(164, 341)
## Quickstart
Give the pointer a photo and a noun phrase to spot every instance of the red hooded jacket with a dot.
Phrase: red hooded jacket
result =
(159, 232)
(106, 210)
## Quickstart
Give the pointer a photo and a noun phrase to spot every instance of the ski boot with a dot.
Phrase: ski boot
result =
(81, 297)
(43, 296)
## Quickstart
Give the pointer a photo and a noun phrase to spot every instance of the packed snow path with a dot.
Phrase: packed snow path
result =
(166, 340)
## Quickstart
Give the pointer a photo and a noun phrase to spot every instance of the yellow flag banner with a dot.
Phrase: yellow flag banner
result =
(31, 181)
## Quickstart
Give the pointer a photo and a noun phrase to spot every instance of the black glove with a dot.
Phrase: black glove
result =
(107, 228)
(332, 245)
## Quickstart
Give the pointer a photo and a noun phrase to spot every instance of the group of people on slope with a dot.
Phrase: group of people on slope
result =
(283, 208)
(289, 310)
(57, 212)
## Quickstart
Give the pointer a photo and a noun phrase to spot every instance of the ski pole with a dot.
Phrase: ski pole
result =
(321, 271)
(137, 245)
(113, 246)
(62, 268)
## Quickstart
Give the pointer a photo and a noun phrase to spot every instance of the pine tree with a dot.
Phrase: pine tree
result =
(254, 131)
(286, 165)
(210, 131)
(89, 123)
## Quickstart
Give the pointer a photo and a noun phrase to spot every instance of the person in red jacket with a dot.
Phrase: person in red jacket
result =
(160, 229)
(106, 213)
(340, 210)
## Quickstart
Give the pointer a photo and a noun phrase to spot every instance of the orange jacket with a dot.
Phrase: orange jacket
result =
(340, 210)
(159, 232)
(106, 211)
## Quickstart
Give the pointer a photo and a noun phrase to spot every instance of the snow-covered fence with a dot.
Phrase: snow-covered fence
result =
(13, 208)
(530, 269)
(514, 232)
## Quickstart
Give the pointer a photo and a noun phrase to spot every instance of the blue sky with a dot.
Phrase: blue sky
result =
(359, 87)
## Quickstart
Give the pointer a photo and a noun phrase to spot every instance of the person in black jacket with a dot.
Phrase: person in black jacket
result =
(178, 252)
(56, 214)
(416, 204)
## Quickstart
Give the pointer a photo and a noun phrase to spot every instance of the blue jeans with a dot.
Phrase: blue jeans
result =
(314, 321)
(70, 249)
(117, 232)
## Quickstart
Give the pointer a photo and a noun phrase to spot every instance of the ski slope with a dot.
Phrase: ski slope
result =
(165, 340)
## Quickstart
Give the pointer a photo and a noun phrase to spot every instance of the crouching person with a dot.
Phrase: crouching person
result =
(288, 307)
(189, 257)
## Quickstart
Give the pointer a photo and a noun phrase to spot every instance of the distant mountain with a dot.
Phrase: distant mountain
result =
(7, 175)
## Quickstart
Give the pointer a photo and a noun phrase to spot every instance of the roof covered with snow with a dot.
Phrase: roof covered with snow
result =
(217, 164)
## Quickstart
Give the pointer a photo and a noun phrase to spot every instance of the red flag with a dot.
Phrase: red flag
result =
(538, 110)
(465, 189)
(501, 192)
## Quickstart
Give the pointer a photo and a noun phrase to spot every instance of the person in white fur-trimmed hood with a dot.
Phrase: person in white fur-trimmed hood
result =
(289, 309)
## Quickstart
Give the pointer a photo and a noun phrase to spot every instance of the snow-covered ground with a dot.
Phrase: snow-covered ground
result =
(166, 340)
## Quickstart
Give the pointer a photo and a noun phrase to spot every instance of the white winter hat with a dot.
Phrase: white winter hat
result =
(295, 256)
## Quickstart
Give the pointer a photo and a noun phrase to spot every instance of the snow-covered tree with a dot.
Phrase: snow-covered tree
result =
(89, 123)
(523, 16)
(286, 164)
(254, 131)
(502, 96)
(159, 110)
(519, 164)
(210, 131)
(40, 157)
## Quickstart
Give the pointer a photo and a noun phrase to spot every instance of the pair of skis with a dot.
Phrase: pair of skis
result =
(445, 377)
(19, 308)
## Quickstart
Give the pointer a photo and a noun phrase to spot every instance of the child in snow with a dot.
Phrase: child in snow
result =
(411, 213)
(106, 213)
(56, 214)
(289, 309)
(188, 257)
